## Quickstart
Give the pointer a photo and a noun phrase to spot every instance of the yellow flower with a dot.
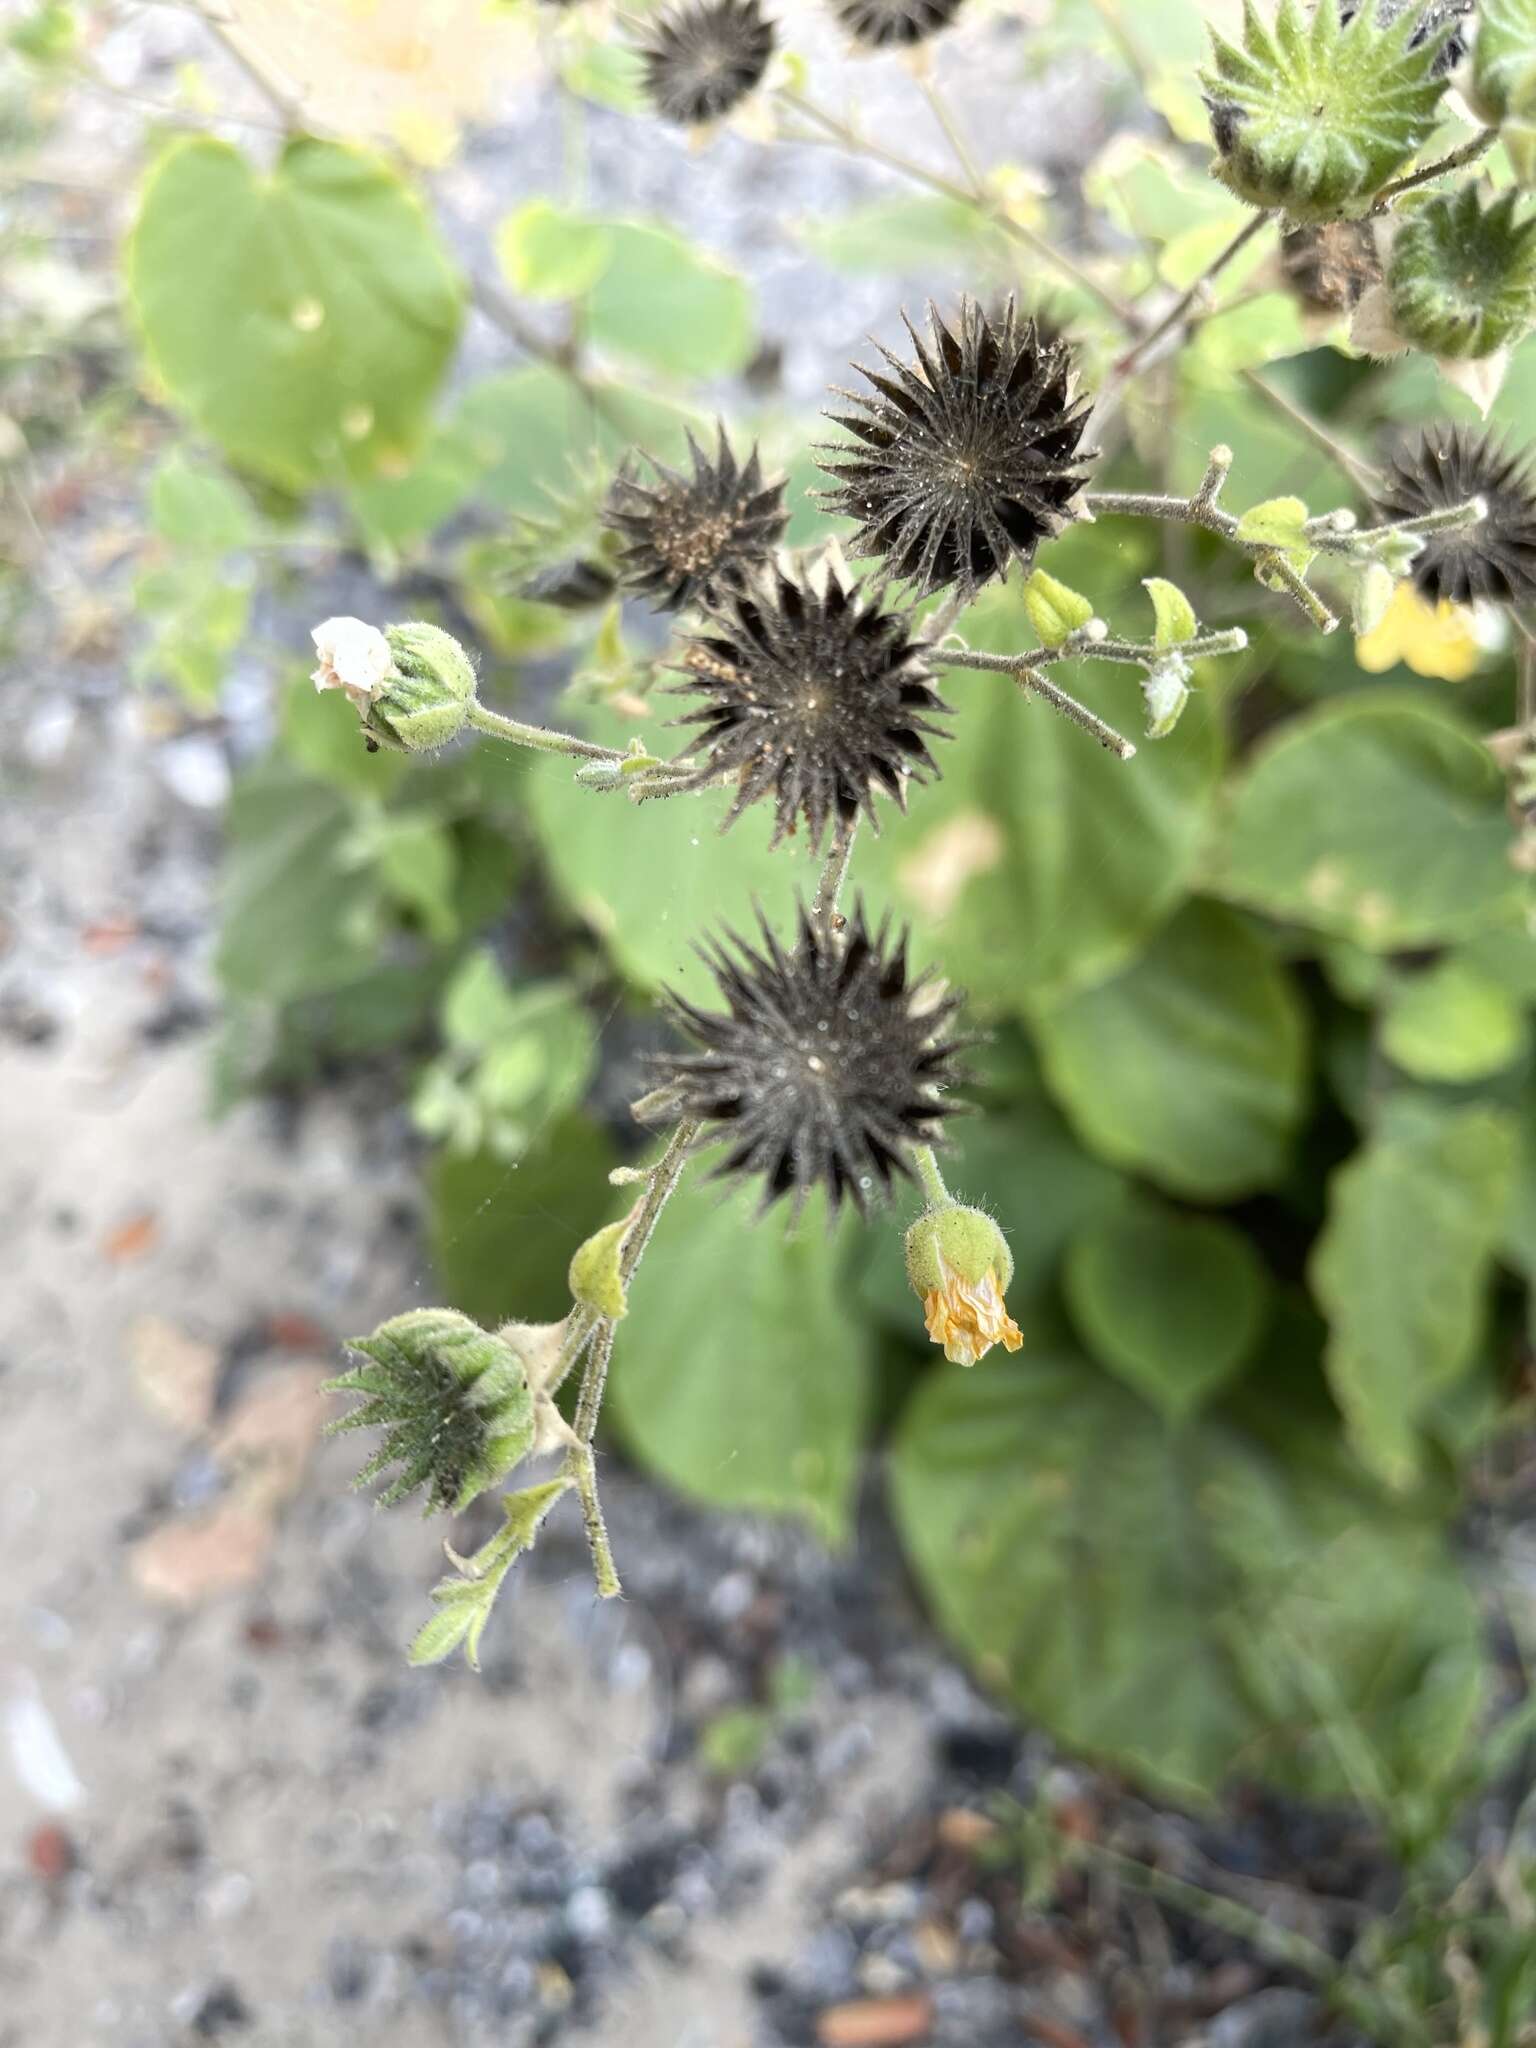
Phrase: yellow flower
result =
(1433, 639)
(968, 1318)
(409, 72)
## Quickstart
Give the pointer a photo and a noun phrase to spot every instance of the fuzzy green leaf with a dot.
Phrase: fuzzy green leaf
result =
(1172, 1304)
(1278, 524)
(465, 1600)
(597, 1276)
(1504, 59)
(744, 1375)
(1400, 1269)
(1190, 1065)
(1173, 612)
(1375, 818)
(304, 319)
(1054, 611)
(1176, 1599)
(1451, 1023)
(548, 252)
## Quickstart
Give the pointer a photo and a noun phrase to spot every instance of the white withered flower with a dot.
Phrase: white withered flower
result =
(353, 656)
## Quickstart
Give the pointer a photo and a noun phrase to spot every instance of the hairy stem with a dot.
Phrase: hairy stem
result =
(1468, 153)
(582, 1467)
(594, 1379)
(834, 873)
(1174, 318)
(539, 737)
(855, 144)
(928, 1173)
(660, 1182)
(1365, 476)
(1024, 668)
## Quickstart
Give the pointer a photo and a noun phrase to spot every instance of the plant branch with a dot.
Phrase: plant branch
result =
(1365, 476)
(934, 1187)
(1129, 364)
(289, 110)
(1468, 153)
(660, 1182)
(855, 144)
(1025, 670)
(538, 737)
(834, 873)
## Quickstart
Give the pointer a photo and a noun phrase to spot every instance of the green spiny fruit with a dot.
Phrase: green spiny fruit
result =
(1462, 279)
(1311, 116)
(452, 1400)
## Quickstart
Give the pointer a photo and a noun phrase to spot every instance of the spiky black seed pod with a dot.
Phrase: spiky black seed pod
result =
(1496, 560)
(827, 1064)
(452, 1400)
(702, 60)
(685, 539)
(964, 461)
(1449, 18)
(883, 23)
(813, 699)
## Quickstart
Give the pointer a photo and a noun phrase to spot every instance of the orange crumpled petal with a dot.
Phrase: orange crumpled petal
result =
(969, 1320)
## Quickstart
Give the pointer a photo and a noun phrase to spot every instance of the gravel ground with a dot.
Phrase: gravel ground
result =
(756, 1804)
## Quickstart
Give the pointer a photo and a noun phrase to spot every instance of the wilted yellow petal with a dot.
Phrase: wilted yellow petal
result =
(968, 1321)
(1432, 639)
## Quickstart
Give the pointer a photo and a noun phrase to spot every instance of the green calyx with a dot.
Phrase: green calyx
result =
(1312, 117)
(1503, 82)
(1462, 278)
(453, 1402)
(958, 1241)
(426, 702)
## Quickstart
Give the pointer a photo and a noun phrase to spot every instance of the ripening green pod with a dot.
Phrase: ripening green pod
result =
(1462, 278)
(1313, 115)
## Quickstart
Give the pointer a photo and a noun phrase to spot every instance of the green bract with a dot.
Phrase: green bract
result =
(958, 1240)
(1504, 60)
(1313, 118)
(1462, 280)
(452, 1400)
(424, 706)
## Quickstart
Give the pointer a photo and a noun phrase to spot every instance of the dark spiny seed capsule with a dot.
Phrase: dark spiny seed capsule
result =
(686, 539)
(1495, 560)
(964, 460)
(1450, 18)
(702, 60)
(883, 23)
(826, 1065)
(813, 700)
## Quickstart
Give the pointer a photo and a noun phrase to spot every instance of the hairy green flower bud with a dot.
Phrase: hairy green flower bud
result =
(424, 704)
(1313, 115)
(959, 1264)
(959, 1241)
(453, 1402)
(1462, 279)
